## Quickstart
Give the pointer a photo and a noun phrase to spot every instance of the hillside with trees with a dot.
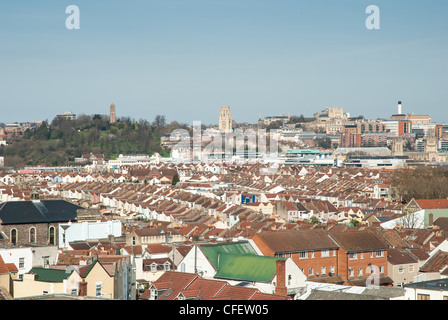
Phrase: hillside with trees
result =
(61, 141)
(420, 183)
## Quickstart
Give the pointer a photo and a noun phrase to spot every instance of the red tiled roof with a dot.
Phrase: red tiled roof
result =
(7, 267)
(433, 203)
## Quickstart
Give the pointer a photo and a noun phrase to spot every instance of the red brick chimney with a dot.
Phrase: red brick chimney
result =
(280, 288)
(82, 288)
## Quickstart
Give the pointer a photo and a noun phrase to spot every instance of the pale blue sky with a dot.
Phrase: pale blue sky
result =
(186, 58)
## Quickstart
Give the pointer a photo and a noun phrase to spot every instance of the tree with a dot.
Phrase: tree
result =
(159, 121)
(420, 183)
(175, 179)
(324, 143)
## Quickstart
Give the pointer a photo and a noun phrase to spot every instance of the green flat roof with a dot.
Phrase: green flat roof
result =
(50, 275)
(240, 248)
(246, 267)
(240, 261)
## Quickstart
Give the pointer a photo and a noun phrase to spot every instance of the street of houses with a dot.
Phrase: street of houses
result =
(224, 231)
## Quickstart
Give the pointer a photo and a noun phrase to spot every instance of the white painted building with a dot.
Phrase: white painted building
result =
(87, 230)
(21, 257)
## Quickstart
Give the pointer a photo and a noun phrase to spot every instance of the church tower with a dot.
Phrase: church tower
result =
(112, 117)
(397, 147)
(225, 119)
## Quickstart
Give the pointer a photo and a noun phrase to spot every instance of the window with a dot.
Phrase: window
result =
(46, 261)
(13, 237)
(400, 269)
(133, 241)
(350, 272)
(33, 235)
(323, 270)
(303, 255)
(353, 256)
(380, 254)
(74, 292)
(289, 279)
(332, 269)
(325, 253)
(153, 294)
(381, 269)
(21, 263)
(99, 287)
(153, 267)
(423, 296)
(166, 266)
(310, 271)
(411, 268)
(360, 272)
(51, 236)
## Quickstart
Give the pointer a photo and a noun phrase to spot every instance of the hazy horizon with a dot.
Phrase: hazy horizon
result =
(186, 59)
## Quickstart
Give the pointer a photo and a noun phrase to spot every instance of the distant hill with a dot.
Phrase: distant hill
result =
(61, 141)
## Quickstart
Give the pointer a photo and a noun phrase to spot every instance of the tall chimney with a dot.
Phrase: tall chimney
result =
(399, 107)
(82, 288)
(280, 288)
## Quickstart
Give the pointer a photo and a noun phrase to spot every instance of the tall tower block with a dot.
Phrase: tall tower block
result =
(225, 119)
(399, 107)
(112, 117)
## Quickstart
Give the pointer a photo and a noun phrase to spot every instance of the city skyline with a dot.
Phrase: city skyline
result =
(185, 60)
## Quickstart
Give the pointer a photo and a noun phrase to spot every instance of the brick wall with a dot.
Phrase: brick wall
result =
(363, 261)
(338, 259)
(42, 233)
(314, 259)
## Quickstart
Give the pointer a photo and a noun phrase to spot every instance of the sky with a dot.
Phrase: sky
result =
(184, 59)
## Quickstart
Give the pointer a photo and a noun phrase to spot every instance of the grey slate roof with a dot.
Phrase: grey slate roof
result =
(331, 295)
(381, 293)
(44, 211)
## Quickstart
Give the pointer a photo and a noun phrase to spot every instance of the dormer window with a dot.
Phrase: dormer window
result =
(153, 267)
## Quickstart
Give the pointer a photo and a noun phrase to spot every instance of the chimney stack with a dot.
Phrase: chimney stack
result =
(280, 288)
(83, 288)
(399, 107)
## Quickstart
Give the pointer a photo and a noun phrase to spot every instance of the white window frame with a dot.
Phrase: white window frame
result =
(351, 272)
(99, 289)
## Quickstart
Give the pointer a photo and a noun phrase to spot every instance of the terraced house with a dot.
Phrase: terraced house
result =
(313, 251)
(347, 258)
(362, 258)
(91, 280)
